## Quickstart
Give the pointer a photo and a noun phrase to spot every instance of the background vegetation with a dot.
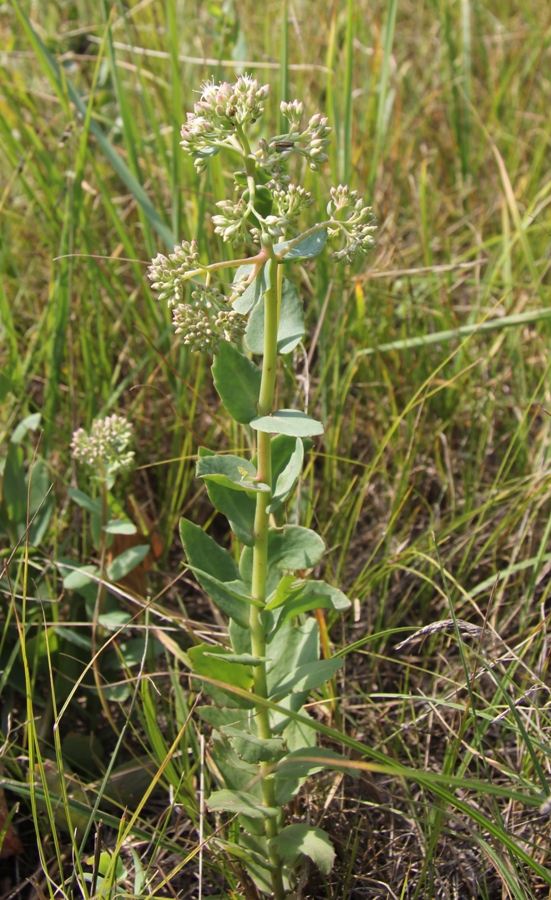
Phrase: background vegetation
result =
(429, 365)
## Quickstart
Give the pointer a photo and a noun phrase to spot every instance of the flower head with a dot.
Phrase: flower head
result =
(221, 109)
(104, 448)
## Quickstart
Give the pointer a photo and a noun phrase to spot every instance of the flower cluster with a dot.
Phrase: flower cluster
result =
(291, 202)
(310, 144)
(351, 220)
(231, 224)
(221, 109)
(104, 448)
(207, 320)
(168, 273)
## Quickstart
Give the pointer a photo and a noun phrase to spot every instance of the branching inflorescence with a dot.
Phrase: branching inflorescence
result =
(264, 742)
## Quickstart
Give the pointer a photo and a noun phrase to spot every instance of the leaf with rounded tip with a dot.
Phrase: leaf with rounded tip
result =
(120, 526)
(79, 577)
(294, 547)
(237, 381)
(84, 501)
(305, 839)
(287, 421)
(314, 595)
(291, 547)
(231, 471)
(252, 748)
(240, 802)
(30, 423)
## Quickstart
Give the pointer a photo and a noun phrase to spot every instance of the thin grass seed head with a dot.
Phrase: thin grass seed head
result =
(105, 447)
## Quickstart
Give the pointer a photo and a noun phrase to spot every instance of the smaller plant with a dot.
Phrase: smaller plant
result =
(104, 449)
(264, 743)
(105, 453)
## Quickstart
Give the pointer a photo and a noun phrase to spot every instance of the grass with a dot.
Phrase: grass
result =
(430, 366)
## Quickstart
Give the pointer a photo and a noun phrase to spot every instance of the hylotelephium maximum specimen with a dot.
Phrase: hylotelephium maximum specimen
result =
(264, 742)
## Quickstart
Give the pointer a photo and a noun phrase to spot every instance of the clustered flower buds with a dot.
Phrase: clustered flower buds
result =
(231, 224)
(351, 220)
(291, 203)
(267, 208)
(104, 448)
(293, 112)
(168, 273)
(310, 144)
(207, 320)
(221, 109)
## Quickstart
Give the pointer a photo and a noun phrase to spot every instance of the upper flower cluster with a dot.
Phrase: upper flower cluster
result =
(217, 115)
(105, 446)
(266, 207)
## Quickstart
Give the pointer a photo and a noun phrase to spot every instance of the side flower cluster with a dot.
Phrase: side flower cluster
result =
(352, 221)
(167, 273)
(105, 447)
(207, 320)
(311, 143)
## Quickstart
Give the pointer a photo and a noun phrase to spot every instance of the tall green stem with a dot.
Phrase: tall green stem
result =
(260, 552)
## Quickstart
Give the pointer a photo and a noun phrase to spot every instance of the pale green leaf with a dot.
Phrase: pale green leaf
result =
(305, 839)
(77, 579)
(240, 802)
(239, 508)
(86, 502)
(120, 526)
(288, 478)
(305, 249)
(206, 556)
(254, 292)
(125, 562)
(210, 661)
(307, 677)
(230, 471)
(291, 323)
(30, 423)
(237, 380)
(287, 421)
